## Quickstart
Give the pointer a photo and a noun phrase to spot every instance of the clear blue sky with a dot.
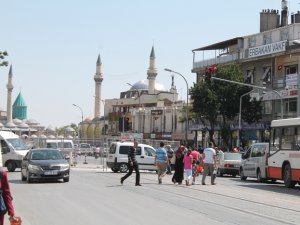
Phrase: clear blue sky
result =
(53, 46)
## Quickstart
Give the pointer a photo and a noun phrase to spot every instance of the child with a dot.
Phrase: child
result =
(188, 164)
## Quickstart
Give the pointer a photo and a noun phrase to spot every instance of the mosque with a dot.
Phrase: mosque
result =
(15, 117)
(147, 110)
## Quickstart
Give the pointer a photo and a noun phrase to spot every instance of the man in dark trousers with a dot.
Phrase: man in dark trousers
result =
(132, 164)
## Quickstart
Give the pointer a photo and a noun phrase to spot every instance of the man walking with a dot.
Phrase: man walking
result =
(132, 165)
(161, 161)
(210, 161)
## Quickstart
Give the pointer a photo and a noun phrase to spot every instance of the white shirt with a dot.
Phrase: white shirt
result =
(209, 155)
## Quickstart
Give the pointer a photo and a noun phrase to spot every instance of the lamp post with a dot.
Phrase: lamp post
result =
(139, 96)
(187, 103)
(240, 118)
(85, 162)
(254, 86)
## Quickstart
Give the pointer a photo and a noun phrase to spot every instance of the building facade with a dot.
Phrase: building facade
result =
(268, 59)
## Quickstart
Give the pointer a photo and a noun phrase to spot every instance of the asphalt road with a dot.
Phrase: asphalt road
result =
(94, 197)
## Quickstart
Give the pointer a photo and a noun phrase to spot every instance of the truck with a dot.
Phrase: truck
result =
(13, 149)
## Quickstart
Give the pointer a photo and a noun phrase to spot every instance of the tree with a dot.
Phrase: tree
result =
(2, 58)
(213, 98)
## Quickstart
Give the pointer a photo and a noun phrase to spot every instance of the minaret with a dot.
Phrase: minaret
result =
(173, 90)
(10, 87)
(152, 73)
(98, 81)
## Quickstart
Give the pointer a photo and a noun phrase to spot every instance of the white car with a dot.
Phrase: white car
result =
(117, 158)
(229, 163)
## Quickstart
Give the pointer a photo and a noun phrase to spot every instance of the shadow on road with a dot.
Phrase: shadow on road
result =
(277, 187)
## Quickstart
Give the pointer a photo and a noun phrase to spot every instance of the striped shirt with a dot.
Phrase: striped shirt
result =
(131, 154)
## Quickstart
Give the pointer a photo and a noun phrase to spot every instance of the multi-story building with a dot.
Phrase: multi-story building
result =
(268, 59)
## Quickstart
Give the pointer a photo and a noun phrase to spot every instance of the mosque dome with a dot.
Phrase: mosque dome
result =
(143, 85)
(17, 121)
(19, 108)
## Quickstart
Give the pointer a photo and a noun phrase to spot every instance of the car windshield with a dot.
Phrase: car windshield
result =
(46, 155)
(17, 143)
(232, 156)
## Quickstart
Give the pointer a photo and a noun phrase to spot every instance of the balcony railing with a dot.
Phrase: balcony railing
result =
(217, 60)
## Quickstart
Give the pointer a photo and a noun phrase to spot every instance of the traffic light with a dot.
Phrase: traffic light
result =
(210, 71)
(207, 74)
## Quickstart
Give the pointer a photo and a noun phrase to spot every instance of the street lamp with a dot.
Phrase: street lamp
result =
(85, 162)
(139, 96)
(240, 118)
(187, 103)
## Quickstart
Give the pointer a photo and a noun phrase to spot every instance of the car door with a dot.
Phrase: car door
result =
(146, 159)
(248, 164)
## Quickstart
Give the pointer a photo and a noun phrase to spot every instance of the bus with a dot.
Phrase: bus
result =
(283, 160)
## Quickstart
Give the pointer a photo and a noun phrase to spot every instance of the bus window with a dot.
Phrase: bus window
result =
(275, 139)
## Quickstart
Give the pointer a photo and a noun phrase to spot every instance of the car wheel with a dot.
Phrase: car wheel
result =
(66, 179)
(242, 175)
(259, 177)
(123, 168)
(22, 177)
(11, 166)
(219, 174)
(287, 177)
(115, 170)
(28, 179)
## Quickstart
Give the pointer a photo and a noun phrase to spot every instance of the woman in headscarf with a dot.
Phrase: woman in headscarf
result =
(4, 187)
(178, 175)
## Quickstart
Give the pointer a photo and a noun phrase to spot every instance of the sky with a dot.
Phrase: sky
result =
(53, 46)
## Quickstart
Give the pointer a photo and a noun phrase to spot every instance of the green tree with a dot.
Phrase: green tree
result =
(213, 98)
(2, 58)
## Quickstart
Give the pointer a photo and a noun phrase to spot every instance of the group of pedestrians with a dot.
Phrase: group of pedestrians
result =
(184, 162)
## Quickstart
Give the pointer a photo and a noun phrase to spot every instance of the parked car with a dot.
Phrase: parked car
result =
(229, 163)
(254, 162)
(117, 158)
(85, 149)
(45, 164)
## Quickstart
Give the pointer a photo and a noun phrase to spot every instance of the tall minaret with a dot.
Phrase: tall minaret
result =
(10, 87)
(98, 81)
(152, 72)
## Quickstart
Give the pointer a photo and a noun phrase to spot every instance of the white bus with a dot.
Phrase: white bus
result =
(283, 161)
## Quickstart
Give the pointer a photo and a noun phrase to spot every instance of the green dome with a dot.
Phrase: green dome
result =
(19, 108)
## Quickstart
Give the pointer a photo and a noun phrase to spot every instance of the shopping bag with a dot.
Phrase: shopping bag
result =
(16, 221)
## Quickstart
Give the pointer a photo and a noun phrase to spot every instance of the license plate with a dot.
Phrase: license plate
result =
(51, 172)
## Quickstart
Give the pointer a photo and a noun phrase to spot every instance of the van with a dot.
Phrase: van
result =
(117, 158)
(65, 146)
(13, 149)
(254, 162)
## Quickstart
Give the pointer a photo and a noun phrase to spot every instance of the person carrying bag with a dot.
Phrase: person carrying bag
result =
(5, 199)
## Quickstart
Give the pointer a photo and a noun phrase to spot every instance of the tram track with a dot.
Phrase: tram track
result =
(198, 198)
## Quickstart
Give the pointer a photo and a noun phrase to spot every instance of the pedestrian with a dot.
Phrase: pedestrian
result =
(196, 162)
(178, 167)
(170, 154)
(132, 164)
(210, 161)
(5, 189)
(188, 161)
(161, 161)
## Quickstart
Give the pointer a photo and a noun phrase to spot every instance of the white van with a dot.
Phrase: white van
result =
(117, 158)
(254, 162)
(13, 149)
(65, 146)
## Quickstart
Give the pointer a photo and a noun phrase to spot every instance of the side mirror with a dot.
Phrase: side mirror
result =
(67, 157)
